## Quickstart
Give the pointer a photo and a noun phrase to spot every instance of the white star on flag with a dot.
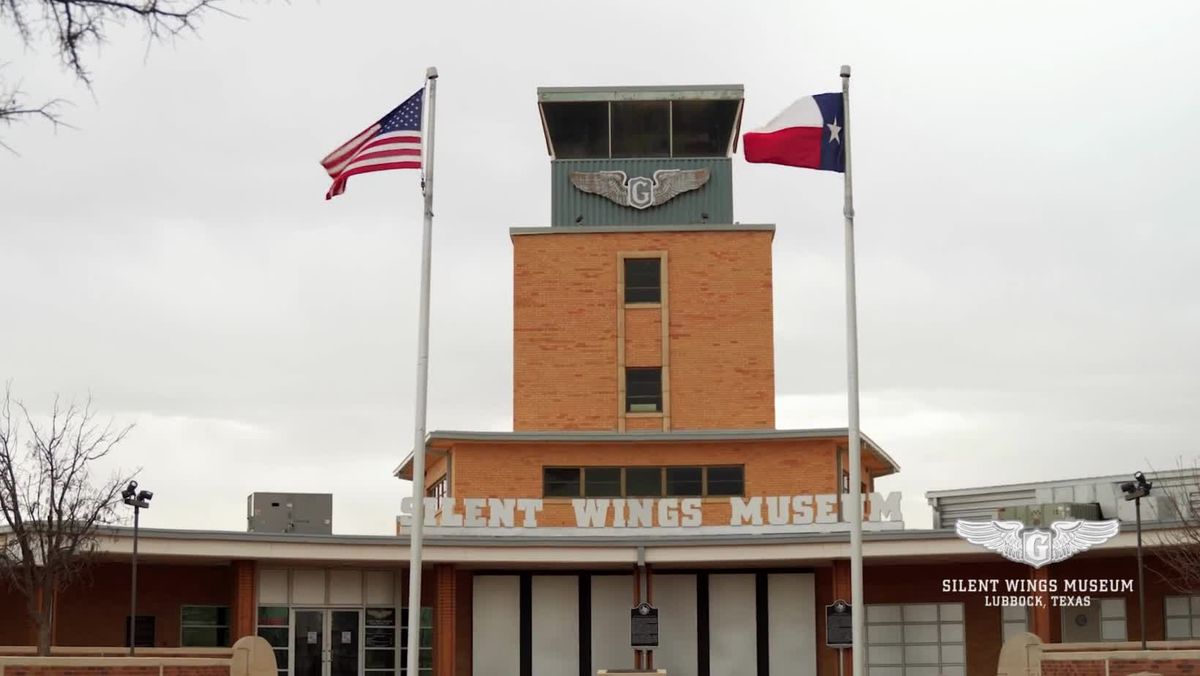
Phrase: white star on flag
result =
(834, 130)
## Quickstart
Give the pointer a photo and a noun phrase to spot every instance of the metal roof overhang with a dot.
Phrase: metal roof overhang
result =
(404, 470)
(723, 92)
(214, 547)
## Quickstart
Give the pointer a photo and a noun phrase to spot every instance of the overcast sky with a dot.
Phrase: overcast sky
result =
(1025, 182)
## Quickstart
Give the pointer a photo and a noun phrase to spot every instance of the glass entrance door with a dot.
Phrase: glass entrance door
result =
(325, 642)
(344, 644)
(308, 641)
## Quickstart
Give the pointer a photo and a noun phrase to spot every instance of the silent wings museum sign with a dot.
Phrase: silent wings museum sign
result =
(639, 192)
(792, 513)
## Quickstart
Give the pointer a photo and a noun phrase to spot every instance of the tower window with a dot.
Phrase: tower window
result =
(643, 390)
(643, 280)
(641, 129)
(561, 482)
(643, 481)
(726, 480)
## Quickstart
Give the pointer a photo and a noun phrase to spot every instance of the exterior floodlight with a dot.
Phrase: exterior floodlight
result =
(1136, 490)
(139, 500)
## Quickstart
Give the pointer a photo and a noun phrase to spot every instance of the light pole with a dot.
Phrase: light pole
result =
(1136, 490)
(139, 500)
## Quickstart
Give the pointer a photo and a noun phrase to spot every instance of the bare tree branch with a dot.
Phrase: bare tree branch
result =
(78, 26)
(1178, 548)
(50, 503)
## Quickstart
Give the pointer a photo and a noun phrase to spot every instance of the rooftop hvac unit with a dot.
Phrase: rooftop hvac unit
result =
(303, 513)
(1047, 513)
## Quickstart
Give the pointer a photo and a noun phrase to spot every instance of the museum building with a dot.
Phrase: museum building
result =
(643, 466)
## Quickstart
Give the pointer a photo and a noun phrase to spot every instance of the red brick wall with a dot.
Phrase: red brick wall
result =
(93, 612)
(1073, 668)
(31, 670)
(243, 610)
(100, 669)
(721, 335)
(1165, 666)
(445, 615)
(15, 627)
(462, 626)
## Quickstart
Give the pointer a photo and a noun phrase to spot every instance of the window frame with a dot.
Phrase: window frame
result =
(730, 145)
(624, 483)
(660, 403)
(439, 490)
(579, 481)
(1192, 616)
(625, 287)
(184, 625)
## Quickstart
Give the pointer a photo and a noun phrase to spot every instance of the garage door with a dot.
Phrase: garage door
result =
(920, 639)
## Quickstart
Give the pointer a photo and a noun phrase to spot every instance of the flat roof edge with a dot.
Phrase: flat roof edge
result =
(1109, 478)
(588, 229)
(690, 435)
(641, 92)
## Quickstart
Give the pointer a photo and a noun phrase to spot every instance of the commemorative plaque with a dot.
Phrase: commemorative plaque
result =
(839, 625)
(643, 626)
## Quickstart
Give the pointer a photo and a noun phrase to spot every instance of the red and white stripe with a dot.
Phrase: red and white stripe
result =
(371, 151)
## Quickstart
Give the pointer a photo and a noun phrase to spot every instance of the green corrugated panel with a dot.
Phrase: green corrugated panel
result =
(570, 206)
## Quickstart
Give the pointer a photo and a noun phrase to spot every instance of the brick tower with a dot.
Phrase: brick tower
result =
(644, 307)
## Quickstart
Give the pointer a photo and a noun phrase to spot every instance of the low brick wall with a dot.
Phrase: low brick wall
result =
(1025, 655)
(250, 656)
(113, 666)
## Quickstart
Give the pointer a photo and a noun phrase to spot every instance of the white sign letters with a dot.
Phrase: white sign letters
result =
(776, 510)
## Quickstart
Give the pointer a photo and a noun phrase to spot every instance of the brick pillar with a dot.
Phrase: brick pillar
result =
(841, 590)
(444, 615)
(1040, 615)
(243, 606)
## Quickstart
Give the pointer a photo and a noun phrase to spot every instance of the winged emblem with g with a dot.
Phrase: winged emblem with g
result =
(639, 192)
(1035, 546)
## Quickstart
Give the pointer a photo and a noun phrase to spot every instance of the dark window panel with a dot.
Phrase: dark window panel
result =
(578, 130)
(602, 482)
(643, 280)
(379, 659)
(275, 616)
(643, 481)
(276, 636)
(641, 129)
(643, 390)
(206, 615)
(204, 637)
(685, 481)
(702, 128)
(143, 628)
(726, 481)
(561, 482)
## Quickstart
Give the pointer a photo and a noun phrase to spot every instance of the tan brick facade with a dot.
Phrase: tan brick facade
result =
(772, 468)
(717, 298)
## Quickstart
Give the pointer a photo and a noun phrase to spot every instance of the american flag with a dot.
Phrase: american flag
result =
(394, 142)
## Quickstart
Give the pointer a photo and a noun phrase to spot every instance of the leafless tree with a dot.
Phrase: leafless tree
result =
(1177, 547)
(75, 27)
(52, 505)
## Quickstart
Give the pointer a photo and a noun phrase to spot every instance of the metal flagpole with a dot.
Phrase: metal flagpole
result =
(854, 514)
(417, 526)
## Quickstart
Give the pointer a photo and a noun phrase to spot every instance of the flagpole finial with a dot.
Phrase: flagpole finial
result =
(431, 73)
(845, 71)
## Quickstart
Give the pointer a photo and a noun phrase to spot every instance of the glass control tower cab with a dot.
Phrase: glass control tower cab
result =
(634, 156)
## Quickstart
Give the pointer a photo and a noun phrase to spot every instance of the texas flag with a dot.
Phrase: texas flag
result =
(807, 134)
